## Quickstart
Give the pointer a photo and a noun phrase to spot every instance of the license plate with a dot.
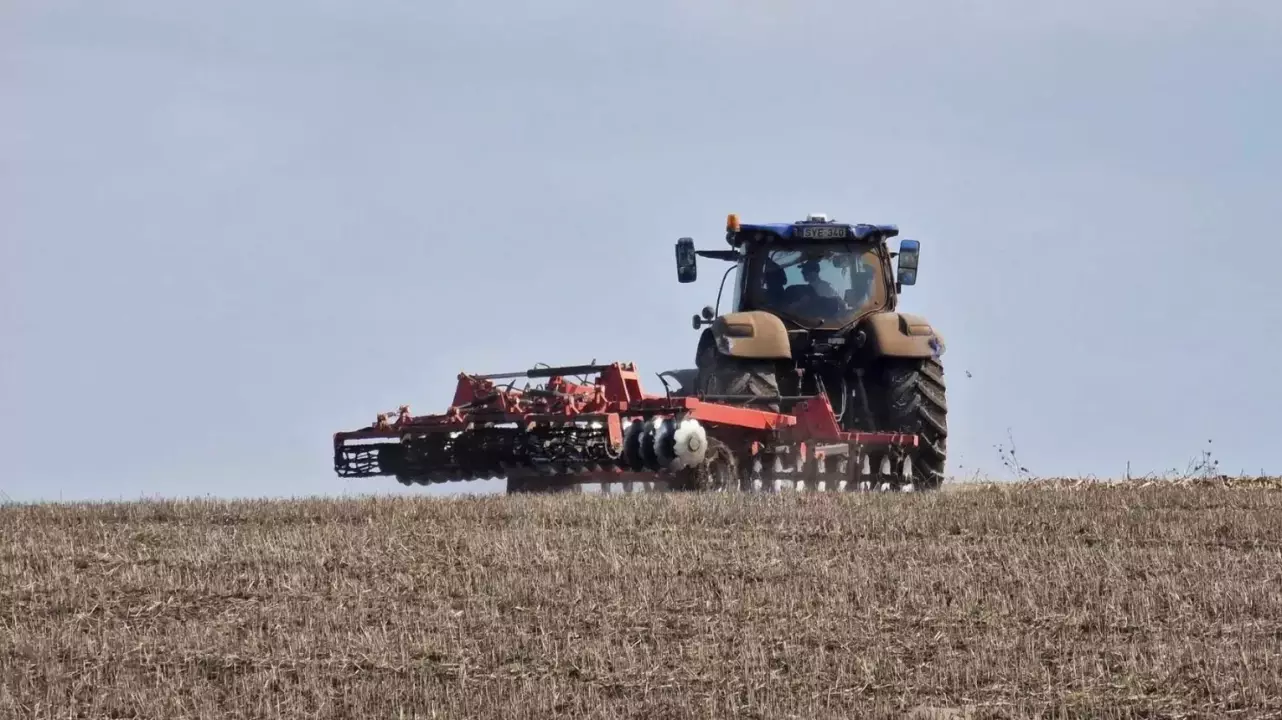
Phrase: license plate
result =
(822, 232)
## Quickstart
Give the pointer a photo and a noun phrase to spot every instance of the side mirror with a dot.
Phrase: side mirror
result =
(686, 269)
(909, 254)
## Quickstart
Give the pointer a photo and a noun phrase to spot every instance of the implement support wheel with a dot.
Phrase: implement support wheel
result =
(719, 471)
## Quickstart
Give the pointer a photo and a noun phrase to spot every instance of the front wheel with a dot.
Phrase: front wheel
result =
(912, 399)
(725, 375)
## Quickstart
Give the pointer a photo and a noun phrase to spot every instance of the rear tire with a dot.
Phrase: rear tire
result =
(913, 399)
(724, 375)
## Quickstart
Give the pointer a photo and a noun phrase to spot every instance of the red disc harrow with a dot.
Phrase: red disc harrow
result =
(563, 434)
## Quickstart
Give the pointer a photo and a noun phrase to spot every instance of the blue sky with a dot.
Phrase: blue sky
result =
(230, 229)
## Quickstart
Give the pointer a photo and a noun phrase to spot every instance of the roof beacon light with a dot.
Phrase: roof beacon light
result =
(732, 223)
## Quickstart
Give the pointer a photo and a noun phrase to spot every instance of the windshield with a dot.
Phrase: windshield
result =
(818, 284)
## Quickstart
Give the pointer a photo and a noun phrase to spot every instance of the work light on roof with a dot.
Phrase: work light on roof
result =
(817, 217)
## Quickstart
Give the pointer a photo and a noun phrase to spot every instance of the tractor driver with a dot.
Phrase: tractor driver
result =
(810, 273)
(818, 297)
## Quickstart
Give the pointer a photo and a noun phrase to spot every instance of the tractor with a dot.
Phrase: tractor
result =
(814, 308)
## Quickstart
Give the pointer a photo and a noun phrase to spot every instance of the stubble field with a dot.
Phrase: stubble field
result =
(1158, 601)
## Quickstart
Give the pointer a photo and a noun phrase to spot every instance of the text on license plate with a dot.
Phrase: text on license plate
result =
(826, 232)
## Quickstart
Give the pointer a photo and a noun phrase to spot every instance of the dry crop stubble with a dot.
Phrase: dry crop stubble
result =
(1099, 601)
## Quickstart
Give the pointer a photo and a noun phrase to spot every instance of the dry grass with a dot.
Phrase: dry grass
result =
(1162, 601)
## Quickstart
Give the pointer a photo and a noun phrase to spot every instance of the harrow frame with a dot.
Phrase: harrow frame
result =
(605, 432)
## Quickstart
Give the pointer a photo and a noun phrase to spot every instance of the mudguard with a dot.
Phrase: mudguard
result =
(686, 379)
(903, 335)
(754, 335)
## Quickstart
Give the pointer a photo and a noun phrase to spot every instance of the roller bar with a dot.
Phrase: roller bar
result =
(546, 372)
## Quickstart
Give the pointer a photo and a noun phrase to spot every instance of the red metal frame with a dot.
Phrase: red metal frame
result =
(817, 422)
(615, 395)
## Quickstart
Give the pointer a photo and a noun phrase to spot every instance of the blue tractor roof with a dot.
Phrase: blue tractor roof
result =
(816, 228)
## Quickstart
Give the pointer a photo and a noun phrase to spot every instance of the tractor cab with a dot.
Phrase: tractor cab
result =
(820, 285)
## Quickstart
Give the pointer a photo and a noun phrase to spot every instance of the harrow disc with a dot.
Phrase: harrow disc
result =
(649, 434)
(690, 443)
(632, 459)
(665, 446)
